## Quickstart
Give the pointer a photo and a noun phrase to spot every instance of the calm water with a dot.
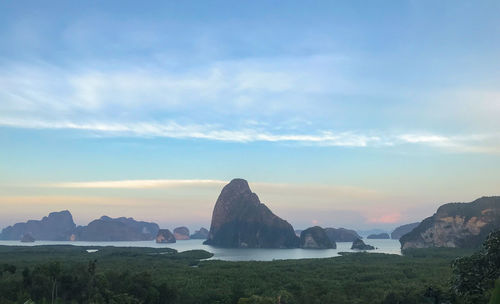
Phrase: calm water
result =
(383, 246)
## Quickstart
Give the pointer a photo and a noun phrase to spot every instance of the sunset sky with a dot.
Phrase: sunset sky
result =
(339, 113)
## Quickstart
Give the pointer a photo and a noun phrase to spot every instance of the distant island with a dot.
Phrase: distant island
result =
(342, 234)
(358, 244)
(402, 230)
(201, 234)
(165, 236)
(316, 238)
(379, 236)
(59, 226)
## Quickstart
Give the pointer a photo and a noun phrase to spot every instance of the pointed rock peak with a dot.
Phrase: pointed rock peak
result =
(239, 219)
(236, 193)
(237, 185)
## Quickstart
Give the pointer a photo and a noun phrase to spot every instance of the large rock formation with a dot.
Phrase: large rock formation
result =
(315, 238)
(117, 229)
(165, 236)
(379, 236)
(402, 230)
(464, 225)
(58, 226)
(341, 235)
(201, 234)
(240, 220)
(358, 244)
(181, 233)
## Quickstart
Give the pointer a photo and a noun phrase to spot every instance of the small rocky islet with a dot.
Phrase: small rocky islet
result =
(201, 234)
(316, 238)
(181, 233)
(165, 236)
(358, 244)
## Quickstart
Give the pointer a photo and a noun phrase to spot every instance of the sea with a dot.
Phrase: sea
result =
(233, 254)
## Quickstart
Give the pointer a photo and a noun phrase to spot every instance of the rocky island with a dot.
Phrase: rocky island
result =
(315, 238)
(240, 220)
(57, 226)
(201, 234)
(116, 229)
(358, 244)
(181, 233)
(341, 235)
(165, 236)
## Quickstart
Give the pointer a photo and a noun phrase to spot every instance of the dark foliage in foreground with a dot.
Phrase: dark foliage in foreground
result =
(474, 276)
(144, 275)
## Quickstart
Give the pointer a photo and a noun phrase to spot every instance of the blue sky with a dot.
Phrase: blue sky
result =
(338, 113)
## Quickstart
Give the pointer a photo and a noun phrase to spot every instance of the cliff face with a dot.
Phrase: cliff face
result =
(58, 226)
(463, 225)
(402, 230)
(341, 234)
(117, 229)
(315, 238)
(240, 220)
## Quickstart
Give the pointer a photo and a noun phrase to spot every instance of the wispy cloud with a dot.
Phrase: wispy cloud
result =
(138, 184)
(273, 188)
(477, 143)
(473, 143)
(246, 100)
(208, 132)
(265, 84)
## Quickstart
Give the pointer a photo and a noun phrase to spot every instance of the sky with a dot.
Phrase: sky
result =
(339, 113)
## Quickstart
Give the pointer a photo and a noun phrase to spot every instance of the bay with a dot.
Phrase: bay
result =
(233, 254)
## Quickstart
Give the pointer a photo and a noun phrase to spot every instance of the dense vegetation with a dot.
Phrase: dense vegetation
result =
(70, 274)
(474, 276)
